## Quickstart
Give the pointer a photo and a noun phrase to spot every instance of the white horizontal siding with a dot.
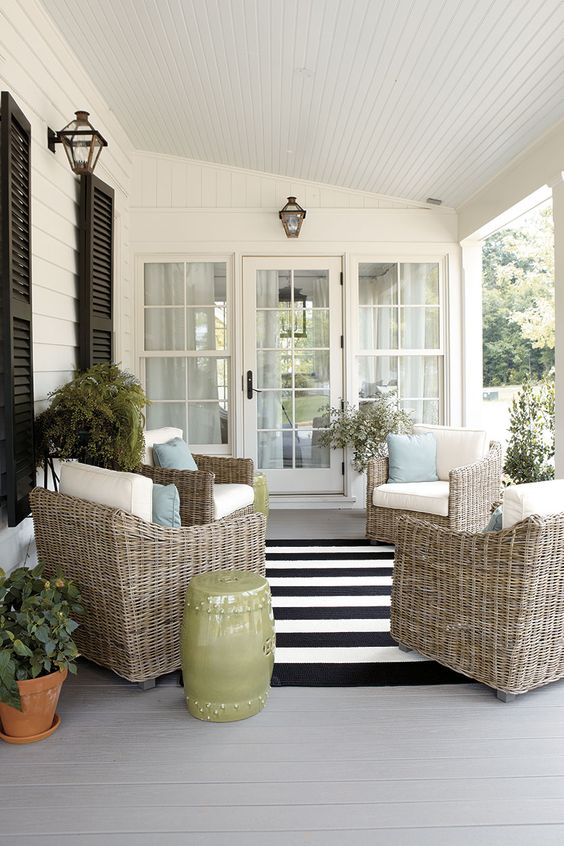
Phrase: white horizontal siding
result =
(45, 78)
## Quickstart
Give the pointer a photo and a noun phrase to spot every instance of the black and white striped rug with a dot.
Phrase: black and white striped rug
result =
(331, 603)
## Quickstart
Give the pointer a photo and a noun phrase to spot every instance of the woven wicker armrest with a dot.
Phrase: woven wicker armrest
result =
(473, 489)
(377, 474)
(195, 488)
(227, 470)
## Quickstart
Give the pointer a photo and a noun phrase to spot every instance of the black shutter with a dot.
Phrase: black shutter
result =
(16, 345)
(96, 272)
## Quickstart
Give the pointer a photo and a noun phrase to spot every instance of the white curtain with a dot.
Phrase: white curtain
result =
(204, 418)
(269, 372)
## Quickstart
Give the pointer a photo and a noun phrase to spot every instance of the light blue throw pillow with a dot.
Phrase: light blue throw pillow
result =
(174, 455)
(412, 458)
(166, 506)
(496, 520)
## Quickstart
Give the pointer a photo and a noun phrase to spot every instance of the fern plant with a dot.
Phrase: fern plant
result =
(96, 418)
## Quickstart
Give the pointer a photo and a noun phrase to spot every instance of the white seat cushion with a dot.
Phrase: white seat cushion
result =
(128, 491)
(521, 501)
(158, 436)
(456, 447)
(429, 497)
(229, 498)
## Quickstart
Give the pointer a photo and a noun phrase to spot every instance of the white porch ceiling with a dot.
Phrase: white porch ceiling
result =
(410, 98)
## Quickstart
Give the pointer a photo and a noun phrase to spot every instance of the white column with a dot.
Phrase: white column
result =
(558, 214)
(472, 333)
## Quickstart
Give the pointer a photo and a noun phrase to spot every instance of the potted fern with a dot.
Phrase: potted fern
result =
(96, 418)
(36, 650)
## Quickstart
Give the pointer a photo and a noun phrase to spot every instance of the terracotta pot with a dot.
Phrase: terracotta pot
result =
(39, 699)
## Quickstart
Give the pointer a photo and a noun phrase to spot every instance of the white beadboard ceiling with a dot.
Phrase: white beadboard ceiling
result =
(409, 98)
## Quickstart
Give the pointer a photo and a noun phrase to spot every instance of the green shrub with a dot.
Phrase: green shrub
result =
(530, 451)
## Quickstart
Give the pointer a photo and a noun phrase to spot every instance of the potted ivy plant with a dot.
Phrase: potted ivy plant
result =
(96, 418)
(365, 429)
(37, 650)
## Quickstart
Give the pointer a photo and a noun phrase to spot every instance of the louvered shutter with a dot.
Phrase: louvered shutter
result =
(96, 272)
(16, 345)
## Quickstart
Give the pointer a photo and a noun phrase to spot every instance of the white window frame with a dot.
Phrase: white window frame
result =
(229, 353)
(440, 352)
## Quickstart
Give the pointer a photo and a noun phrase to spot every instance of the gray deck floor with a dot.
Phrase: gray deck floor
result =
(396, 766)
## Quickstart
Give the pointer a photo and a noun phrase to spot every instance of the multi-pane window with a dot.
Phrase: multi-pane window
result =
(186, 348)
(400, 347)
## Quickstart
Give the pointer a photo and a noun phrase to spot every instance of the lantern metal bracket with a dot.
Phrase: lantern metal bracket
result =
(52, 139)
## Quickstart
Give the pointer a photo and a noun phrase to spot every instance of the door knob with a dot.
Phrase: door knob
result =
(250, 389)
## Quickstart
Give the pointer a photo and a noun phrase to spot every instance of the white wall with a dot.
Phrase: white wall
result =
(44, 76)
(185, 207)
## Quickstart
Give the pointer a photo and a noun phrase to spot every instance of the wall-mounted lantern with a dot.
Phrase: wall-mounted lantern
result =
(83, 144)
(292, 217)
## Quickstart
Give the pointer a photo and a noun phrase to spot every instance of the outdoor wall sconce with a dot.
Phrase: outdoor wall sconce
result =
(292, 217)
(83, 144)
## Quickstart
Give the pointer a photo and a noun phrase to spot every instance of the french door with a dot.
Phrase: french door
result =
(293, 368)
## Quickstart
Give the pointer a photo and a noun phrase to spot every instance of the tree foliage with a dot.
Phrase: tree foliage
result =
(518, 301)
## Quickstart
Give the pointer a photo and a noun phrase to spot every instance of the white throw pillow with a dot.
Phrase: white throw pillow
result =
(158, 436)
(521, 501)
(127, 491)
(456, 447)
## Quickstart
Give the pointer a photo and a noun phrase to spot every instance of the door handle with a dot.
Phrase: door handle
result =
(250, 389)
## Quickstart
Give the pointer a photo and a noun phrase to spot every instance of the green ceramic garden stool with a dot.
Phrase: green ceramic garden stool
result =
(261, 494)
(227, 645)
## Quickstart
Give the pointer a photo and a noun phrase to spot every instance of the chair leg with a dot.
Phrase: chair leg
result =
(505, 697)
(405, 648)
(148, 684)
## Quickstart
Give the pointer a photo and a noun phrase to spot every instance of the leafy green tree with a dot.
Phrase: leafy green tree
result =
(518, 301)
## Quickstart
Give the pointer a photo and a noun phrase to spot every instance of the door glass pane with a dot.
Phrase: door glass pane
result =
(311, 287)
(273, 288)
(164, 284)
(161, 414)
(419, 283)
(377, 375)
(313, 328)
(166, 378)
(274, 370)
(164, 329)
(272, 329)
(378, 328)
(419, 328)
(310, 453)
(377, 284)
(419, 377)
(309, 408)
(275, 450)
(274, 410)
(311, 369)
(207, 423)
(205, 283)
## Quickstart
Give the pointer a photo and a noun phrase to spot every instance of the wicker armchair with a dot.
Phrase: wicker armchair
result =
(133, 575)
(472, 491)
(488, 605)
(196, 487)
